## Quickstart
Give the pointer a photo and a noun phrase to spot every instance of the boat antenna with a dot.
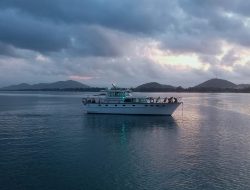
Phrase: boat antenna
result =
(113, 85)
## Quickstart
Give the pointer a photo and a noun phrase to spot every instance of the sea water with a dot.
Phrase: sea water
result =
(48, 142)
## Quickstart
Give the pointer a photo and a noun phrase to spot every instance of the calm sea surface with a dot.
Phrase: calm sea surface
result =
(47, 142)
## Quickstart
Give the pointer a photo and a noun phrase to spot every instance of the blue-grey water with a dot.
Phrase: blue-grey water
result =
(47, 142)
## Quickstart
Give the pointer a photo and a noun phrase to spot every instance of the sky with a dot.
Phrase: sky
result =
(127, 42)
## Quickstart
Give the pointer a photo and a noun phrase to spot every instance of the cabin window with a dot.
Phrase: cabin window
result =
(142, 100)
(123, 105)
(127, 100)
(157, 105)
(106, 105)
(115, 105)
(151, 105)
(116, 94)
(146, 105)
(120, 94)
(133, 105)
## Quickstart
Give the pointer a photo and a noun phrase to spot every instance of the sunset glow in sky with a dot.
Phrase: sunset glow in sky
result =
(179, 42)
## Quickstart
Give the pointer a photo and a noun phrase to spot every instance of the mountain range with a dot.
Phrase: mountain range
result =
(212, 85)
(216, 83)
(147, 87)
(49, 86)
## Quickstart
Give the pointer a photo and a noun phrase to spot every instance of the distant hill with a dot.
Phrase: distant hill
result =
(243, 86)
(216, 84)
(69, 84)
(212, 85)
(21, 86)
(154, 87)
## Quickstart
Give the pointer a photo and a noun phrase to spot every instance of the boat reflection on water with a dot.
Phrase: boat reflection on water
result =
(123, 125)
(130, 121)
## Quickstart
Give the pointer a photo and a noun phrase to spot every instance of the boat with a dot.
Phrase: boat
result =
(122, 101)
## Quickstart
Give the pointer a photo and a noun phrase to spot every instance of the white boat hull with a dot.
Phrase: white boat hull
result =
(132, 109)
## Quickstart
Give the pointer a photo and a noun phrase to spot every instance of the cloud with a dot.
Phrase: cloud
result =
(219, 20)
(24, 32)
(182, 26)
(7, 50)
(230, 58)
(133, 16)
(121, 40)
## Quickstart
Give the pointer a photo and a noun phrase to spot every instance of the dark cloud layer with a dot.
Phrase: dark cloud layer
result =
(25, 32)
(125, 15)
(188, 25)
(64, 31)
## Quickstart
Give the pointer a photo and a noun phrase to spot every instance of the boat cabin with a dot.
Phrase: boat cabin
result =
(118, 94)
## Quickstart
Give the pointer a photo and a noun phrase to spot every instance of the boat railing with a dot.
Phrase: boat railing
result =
(148, 100)
(164, 100)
